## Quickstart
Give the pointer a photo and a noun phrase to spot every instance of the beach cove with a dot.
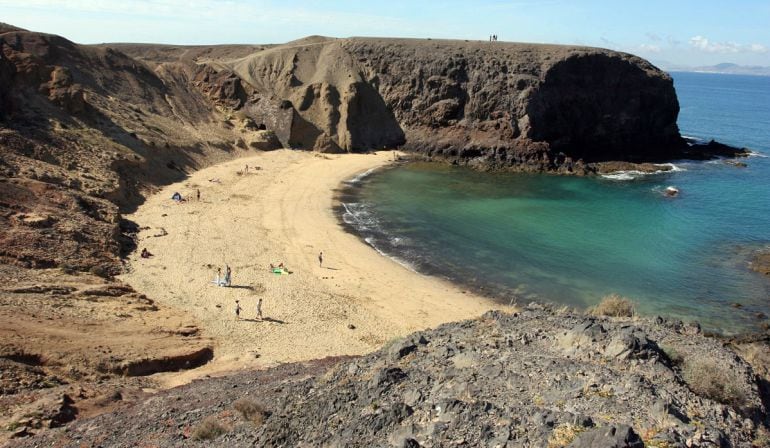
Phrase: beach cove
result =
(281, 211)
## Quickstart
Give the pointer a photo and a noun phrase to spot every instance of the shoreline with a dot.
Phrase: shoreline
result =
(355, 215)
(282, 212)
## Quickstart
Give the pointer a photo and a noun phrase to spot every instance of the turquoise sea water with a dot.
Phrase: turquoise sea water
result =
(573, 240)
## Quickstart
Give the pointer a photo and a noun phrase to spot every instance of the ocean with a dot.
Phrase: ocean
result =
(570, 240)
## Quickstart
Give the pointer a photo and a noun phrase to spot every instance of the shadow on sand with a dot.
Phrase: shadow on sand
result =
(265, 319)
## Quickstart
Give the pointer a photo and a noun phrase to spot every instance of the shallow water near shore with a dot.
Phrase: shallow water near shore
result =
(572, 240)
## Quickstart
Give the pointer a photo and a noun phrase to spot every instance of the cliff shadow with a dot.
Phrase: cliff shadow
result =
(599, 108)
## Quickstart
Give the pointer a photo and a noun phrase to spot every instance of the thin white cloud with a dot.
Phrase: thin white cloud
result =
(653, 37)
(649, 48)
(704, 44)
(608, 43)
(672, 41)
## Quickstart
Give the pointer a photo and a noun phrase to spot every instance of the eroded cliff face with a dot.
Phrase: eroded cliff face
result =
(602, 106)
(85, 129)
(331, 106)
(492, 105)
(534, 107)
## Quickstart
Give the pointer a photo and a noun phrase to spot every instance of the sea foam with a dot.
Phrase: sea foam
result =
(359, 177)
(634, 174)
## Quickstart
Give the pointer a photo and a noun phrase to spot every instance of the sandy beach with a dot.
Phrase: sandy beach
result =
(280, 211)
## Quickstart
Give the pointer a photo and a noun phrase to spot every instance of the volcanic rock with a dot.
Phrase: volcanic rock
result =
(514, 394)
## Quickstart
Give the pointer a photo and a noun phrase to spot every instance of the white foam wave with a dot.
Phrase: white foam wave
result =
(361, 176)
(622, 175)
(757, 154)
(402, 262)
(673, 167)
(357, 215)
(634, 174)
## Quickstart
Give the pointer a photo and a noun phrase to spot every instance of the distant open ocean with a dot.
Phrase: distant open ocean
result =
(570, 240)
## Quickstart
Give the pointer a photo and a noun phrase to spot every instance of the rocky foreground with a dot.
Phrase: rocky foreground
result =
(536, 378)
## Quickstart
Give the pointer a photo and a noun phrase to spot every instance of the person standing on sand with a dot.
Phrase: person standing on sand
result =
(237, 310)
(259, 309)
(198, 195)
(228, 274)
(321, 259)
(218, 280)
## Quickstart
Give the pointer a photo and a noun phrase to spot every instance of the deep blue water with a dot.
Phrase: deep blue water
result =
(573, 240)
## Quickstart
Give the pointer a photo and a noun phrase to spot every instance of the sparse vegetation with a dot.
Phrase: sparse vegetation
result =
(563, 435)
(210, 428)
(758, 355)
(614, 305)
(250, 410)
(709, 379)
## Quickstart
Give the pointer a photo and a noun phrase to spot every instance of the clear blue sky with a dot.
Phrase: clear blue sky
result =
(670, 32)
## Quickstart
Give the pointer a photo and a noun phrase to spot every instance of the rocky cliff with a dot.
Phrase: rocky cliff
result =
(495, 105)
(529, 106)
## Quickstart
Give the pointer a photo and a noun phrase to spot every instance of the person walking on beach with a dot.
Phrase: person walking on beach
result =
(228, 274)
(218, 280)
(198, 195)
(259, 309)
(321, 259)
(237, 310)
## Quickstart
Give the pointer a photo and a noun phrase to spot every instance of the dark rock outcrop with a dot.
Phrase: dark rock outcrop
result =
(535, 107)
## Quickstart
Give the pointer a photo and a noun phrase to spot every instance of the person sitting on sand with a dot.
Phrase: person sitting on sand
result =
(146, 253)
(177, 197)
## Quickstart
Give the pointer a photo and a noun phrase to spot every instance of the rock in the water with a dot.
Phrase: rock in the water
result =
(761, 262)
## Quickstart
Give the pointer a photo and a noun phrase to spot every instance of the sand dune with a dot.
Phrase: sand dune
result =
(282, 213)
